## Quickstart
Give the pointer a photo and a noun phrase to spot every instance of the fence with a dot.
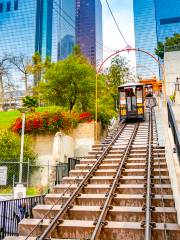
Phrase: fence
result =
(62, 169)
(12, 211)
(174, 128)
(37, 178)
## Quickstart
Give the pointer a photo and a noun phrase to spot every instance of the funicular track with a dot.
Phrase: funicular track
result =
(121, 190)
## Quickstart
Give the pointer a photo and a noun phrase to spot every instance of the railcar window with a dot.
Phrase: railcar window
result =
(130, 92)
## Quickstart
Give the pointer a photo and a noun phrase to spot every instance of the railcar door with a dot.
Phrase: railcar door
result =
(131, 101)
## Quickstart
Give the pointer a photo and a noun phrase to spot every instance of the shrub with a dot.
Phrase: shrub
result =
(49, 122)
(10, 154)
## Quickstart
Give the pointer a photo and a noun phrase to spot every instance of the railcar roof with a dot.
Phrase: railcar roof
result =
(131, 85)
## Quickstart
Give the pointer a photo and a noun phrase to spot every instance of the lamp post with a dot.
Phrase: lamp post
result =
(20, 190)
(22, 146)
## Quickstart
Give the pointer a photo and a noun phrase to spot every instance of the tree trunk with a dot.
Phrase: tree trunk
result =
(26, 82)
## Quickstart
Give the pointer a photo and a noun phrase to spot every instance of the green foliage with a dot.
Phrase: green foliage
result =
(117, 71)
(10, 147)
(69, 83)
(38, 67)
(30, 102)
(169, 42)
(50, 122)
(159, 51)
(106, 104)
(173, 97)
(10, 155)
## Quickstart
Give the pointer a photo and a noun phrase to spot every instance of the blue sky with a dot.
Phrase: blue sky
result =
(123, 12)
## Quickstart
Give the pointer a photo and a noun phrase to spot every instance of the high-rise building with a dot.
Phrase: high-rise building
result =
(89, 29)
(154, 20)
(67, 28)
(27, 26)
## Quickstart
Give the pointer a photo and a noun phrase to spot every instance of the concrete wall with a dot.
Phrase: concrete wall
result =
(52, 149)
(172, 70)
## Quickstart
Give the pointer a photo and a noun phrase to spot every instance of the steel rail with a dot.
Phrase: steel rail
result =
(57, 219)
(148, 193)
(101, 220)
(56, 202)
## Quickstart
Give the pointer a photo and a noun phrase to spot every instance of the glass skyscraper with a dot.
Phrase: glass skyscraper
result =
(89, 29)
(67, 28)
(154, 20)
(27, 26)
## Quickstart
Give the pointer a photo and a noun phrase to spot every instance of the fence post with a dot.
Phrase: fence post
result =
(48, 190)
(4, 221)
(28, 177)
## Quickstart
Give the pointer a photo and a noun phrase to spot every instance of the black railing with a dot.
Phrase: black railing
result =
(174, 128)
(72, 162)
(63, 169)
(12, 211)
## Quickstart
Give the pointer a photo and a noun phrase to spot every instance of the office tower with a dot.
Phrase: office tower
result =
(89, 29)
(67, 28)
(154, 20)
(36, 25)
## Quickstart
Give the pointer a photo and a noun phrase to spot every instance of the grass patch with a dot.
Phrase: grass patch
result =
(7, 118)
(31, 191)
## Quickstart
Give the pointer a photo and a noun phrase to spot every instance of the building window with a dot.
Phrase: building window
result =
(169, 20)
(1, 7)
(8, 8)
(16, 5)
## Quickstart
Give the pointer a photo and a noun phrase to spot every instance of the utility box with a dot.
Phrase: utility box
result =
(19, 191)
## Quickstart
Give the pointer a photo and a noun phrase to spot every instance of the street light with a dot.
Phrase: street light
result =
(23, 111)
(20, 190)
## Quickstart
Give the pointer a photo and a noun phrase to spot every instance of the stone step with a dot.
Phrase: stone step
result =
(104, 165)
(117, 213)
(114, 230)
(142, 172)
(124, 179)
(111, 172)
(130, 160)
(122, 189)
(120, 199)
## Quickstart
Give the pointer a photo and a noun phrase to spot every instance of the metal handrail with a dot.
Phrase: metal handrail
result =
(174, 128)
(10, 214)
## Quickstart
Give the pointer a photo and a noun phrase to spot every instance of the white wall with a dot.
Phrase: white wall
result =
(172, 70)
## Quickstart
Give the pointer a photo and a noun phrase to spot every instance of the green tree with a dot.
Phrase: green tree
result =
(117, 74)
(106, 104)
(118, 70)
(169, 42)
(30, 102)
(70, 82)
(10, 154)
(38, 67)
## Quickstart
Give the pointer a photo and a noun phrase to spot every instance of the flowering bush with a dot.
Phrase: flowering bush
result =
(50, 122)
(85, 117)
